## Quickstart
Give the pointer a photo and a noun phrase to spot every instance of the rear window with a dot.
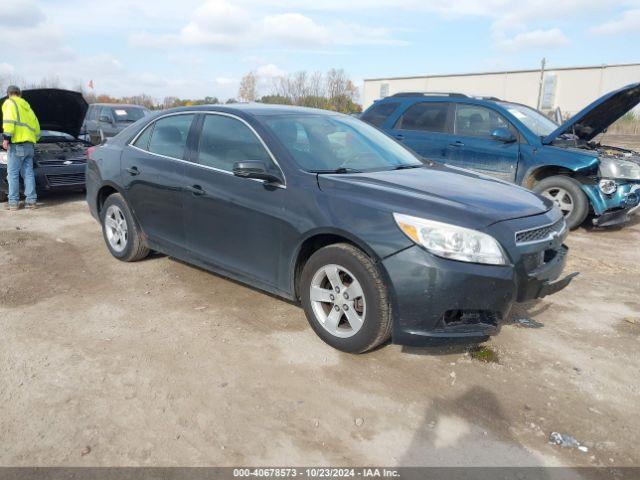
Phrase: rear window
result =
(379, 112)
(127, 114)
(425, 117)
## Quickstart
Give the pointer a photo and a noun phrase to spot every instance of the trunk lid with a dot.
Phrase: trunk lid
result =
(58, 110)
(599, 115)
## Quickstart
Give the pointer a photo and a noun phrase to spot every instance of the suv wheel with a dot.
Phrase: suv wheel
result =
(567, 194)
(345, 299)
(121, 232)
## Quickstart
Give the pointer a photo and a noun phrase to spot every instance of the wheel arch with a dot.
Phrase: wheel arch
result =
(537, 174)
(104, 192)
(316, 240)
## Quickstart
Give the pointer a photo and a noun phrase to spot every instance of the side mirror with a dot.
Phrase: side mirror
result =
(503, 134)
(253, 169)
(105, 119)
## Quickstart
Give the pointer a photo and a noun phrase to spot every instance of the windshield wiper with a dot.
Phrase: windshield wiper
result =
(339, 170)
(404, 167)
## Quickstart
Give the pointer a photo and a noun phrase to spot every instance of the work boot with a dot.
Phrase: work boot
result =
(31, 206)
(12, 207)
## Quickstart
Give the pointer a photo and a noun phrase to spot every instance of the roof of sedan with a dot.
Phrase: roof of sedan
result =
(256, 109)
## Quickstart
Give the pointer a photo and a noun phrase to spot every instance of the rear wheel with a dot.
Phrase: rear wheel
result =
(120, 230)
(566, 193)
(345, 299)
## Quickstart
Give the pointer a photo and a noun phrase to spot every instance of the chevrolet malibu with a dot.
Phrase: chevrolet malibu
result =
(325, 210)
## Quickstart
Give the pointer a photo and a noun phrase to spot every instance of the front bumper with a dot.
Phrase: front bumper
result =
(614, 209)
(52, 178)
(434, 297)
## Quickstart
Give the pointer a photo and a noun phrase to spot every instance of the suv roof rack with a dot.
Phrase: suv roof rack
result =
(429, 94)
(444, 94)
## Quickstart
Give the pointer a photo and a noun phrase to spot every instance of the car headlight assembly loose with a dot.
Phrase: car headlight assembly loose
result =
(616, 168)
(451, 241)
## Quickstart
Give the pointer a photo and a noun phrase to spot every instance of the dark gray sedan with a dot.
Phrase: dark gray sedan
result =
(321, 208)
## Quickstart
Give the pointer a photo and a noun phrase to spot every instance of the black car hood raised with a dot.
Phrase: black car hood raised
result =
(56, 109)
(440, 191)
(596, 117)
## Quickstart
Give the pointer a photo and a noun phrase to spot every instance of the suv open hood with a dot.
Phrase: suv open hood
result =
(56, 109)
(596, 118)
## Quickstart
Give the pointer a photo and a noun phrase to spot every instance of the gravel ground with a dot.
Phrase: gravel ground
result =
(160, 363)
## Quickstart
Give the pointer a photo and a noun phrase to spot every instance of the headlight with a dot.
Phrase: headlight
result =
(608, 186)
(3, 158)
(616, 168)
(450, 241)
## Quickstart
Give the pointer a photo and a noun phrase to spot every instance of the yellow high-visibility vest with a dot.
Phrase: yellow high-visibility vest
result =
(19, 122)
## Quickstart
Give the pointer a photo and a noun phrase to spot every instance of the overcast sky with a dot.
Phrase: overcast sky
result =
(194, 48)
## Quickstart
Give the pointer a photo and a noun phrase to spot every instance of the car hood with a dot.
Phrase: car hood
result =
(441, 193)
(596, 117)
(56, 109)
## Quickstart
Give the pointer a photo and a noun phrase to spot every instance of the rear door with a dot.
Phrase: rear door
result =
(472, 147)
(153, 169)
(425, 127)
(231, 222)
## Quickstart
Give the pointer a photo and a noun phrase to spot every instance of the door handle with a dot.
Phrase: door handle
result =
(196, 190)
(399, 136)
(457, 143)
(133, 171)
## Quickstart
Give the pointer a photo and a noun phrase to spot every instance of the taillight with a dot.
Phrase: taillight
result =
(90, 152)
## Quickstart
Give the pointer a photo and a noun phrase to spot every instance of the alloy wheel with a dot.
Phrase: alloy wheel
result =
(337, 301)
(116, 229)
(560, 197)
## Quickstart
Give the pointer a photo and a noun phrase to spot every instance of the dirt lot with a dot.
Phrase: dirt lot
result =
(160, 363)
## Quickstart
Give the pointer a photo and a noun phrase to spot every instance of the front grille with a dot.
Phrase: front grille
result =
(65, 180)
(540, 234)
(62, 162)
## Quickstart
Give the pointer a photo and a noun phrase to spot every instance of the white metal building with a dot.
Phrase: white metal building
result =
(568, 88)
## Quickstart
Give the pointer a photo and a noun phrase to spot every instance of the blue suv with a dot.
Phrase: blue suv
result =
(518, 144)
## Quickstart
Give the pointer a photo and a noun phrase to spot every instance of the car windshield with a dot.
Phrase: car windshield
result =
(328, 143)
(128, 114)
(535, 121)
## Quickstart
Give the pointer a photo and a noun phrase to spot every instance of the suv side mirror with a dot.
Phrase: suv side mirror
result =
(253, 169)
(503, 134)
(105, 119)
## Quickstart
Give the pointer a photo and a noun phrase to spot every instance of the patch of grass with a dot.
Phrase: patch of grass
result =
(484, 354)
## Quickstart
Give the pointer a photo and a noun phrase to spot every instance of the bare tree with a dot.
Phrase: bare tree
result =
(248, 90)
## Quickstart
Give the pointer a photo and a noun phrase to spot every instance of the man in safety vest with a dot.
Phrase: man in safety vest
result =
(20, 131)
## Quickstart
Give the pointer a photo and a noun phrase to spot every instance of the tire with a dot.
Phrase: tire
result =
(124, 237)
(364, 318)
(566, 193)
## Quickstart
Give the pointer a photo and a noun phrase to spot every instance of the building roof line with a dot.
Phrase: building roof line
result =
(532, 70)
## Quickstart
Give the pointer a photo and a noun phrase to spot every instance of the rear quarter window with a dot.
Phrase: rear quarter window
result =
(378, 113)
(425, 117)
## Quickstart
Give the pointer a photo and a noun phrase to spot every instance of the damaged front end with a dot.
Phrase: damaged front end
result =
(615, 192)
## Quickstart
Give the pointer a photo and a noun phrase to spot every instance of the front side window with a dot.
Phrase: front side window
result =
(225, 141)
(169, 136)
(321, 143)
(379, 113)
(105, 114)
(477, 121)
(425, 117)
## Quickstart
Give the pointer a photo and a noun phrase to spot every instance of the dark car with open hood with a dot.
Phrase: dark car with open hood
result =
(516, 143)
(60, 157)
(323, 209)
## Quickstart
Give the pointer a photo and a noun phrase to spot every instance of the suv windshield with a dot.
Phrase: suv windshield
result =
(532, 119)
(322, 143)
(127, 114)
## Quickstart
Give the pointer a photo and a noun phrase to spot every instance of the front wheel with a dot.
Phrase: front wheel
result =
(345, 299)
(566, 193)
(120, 230)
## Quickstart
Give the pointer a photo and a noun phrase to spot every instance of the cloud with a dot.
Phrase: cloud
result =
(6, 69)
(553, 38)
(270, 71)
(224, 81)
(627, 22)
(218, 24)
(25, 13)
